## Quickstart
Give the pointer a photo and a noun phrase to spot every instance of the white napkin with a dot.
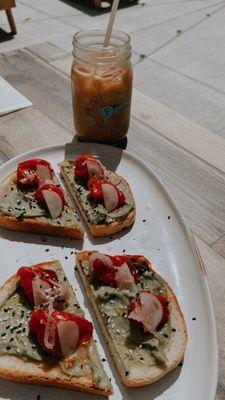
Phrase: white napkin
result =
(11, 99)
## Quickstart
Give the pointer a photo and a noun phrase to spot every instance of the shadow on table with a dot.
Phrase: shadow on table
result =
(5, 36)
(87, 5)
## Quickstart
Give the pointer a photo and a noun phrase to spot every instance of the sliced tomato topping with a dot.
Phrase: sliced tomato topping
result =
(95, 188)
(48, 186)
(96, 192)
(27, 172)
(137, 305)
(40, 321)
(106, 274)
(80, 170)
(103, 273)
(27, 276)
(163, 300)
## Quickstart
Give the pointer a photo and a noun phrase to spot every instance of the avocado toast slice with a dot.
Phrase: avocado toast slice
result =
(145, 343)
(21, 356)
(20, 210)
(98, 193)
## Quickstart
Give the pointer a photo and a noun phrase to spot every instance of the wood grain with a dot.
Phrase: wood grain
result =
(185, 133)
(27, 129)
(38, 81)
(219, 246)
(197, 188)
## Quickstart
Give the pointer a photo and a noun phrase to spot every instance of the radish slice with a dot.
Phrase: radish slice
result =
(94, 167)
(150, 313)
(68, 332)
(110, 196)
(98, 256)
(124, 278)
(43, 174)
(114, 178)
(50, 329)
(41, 291)
(54, 203)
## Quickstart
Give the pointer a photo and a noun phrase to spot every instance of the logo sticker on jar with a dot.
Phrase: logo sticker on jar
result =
(108, 112)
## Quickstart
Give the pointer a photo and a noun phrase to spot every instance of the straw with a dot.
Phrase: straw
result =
(110, 23)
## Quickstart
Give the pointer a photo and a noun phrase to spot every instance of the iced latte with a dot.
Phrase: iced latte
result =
(101, 86)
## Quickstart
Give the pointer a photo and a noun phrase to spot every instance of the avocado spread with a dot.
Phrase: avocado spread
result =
(97, 213)
(22, 204)
(133, 346)
(16, 340)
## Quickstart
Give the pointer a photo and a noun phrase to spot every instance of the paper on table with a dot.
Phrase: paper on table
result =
(10, 98)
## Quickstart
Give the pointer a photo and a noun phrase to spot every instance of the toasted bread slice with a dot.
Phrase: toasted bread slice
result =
(12, 217)
(117, 224)
(138, 372)
(46, 371)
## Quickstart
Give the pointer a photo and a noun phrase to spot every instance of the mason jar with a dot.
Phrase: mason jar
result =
(101, 85)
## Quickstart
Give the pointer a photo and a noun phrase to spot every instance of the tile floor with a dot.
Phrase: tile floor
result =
(178, 47)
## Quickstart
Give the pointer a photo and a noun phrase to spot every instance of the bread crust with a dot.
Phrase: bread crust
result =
(35, 225)
(102, 229)
(143, 375)
(31, 372)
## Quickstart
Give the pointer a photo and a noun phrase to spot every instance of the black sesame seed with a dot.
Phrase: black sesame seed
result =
(144, 220)
(141, 358)
(75, 268)
(174, 330)
(7, 327)
(11, 340)
(194, 319)
(71, 253)
(19, 331)
(20, 217)
(168, 217)
(66, 257)
(46, 250)
(8, 347)
(127, 373)
(103, 359)
(64, 279)
(5, 195)
(3, 334)
(124, 250)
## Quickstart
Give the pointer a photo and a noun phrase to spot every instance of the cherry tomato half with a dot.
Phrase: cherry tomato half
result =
(48, 186)
(38, 322)
(26, 172)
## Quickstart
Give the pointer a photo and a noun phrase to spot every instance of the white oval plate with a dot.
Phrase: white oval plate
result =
(160, 234)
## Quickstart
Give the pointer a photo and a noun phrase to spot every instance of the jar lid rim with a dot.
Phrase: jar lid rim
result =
(116, 34)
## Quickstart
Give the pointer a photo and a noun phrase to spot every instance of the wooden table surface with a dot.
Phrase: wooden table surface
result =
(189, 159)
